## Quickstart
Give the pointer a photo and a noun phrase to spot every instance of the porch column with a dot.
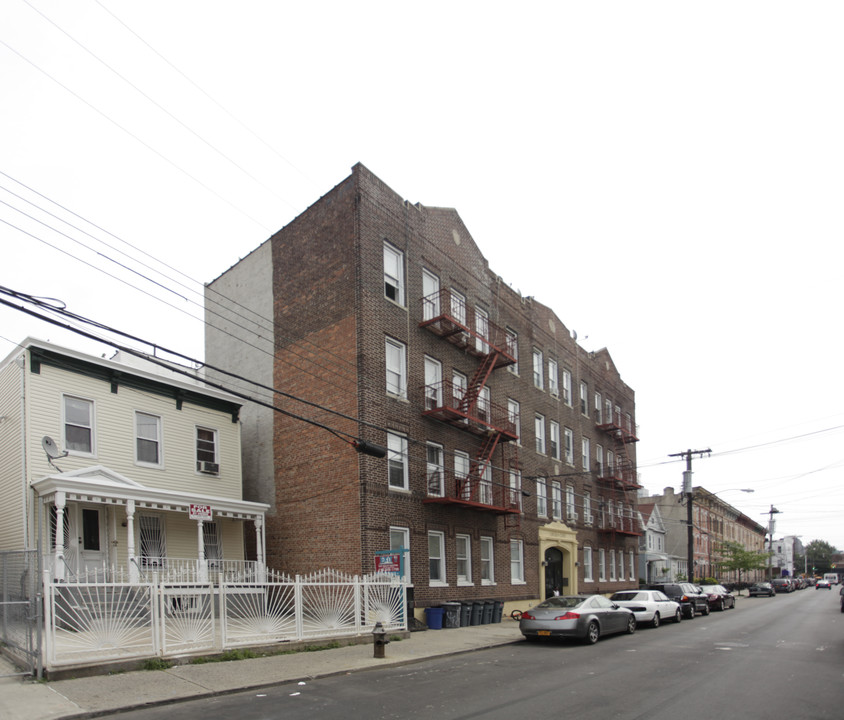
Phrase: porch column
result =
(58, 559)
(134, 571)
(259, 547)
(203, 566)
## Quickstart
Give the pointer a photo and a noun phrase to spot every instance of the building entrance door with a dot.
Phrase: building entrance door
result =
(554, 579)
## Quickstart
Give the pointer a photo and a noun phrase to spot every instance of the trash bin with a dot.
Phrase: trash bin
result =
(477, 613)
(465, 614)
(488, 606)
(434, 618)
(497, 608)
(451, 614)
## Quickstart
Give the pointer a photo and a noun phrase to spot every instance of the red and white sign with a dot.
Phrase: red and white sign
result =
(388, 562)
(200, 512)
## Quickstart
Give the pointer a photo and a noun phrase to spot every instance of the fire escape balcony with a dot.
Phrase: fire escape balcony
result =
(618, 427)
(448, 316)
(621, 477)
(623, 525)
(447, 488)
(447, 402)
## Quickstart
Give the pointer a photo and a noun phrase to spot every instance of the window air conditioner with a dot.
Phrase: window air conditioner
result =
(209, 467)
(589, 519)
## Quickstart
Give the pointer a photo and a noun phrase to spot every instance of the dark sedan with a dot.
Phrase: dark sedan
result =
(761, 589)
(585, 617)
(719, 597)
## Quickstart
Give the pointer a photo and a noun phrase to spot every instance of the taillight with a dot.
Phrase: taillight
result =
(527, 616)
(685, 598)
(568, 616)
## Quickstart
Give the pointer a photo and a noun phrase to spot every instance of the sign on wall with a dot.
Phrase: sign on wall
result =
(200, 512)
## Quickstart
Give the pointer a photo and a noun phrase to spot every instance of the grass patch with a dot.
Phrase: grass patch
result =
(156, 664)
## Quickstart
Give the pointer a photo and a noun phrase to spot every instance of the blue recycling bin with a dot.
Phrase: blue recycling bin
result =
(434, 618)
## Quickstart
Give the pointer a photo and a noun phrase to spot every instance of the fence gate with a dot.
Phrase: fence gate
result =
(20, 607)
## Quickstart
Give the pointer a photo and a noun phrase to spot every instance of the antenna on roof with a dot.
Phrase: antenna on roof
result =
(52, 451)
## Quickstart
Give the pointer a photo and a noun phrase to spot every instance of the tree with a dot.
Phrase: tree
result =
(736, 558)
(819, 557)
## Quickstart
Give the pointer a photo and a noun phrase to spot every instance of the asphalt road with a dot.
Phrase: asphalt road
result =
(769, 658)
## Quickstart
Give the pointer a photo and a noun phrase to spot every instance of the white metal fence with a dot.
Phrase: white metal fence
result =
(98, 622)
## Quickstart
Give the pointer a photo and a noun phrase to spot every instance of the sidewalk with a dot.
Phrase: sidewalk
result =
(27, 699)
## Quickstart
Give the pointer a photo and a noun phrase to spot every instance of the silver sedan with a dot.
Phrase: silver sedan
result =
(649, 606)
(585, 617)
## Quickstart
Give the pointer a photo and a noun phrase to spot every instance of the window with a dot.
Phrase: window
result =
(569, 436)
(517, 563)
(608, 418)
(458, 306)
(516, 489)
(612, 565)
(571, 515)
(538, 378)
(78, 425)
(555, 440)
(587, 564)
(393, 274)
(585, 452)
(513, 412)
(556, 500)
(458, 384)
(541, 497)
(433, 384)
(430, 295)
(396, 368)
(212, 544)
(483, 404)
(587, 508)
(485, 485)
(599, 460)
(487, 561)
(602, 564)
(539, 431)
(464, 560)
(436, 558)
(400, 538)
(152, 547)
(397, 475)
(436, 484)
(512, 340)
(567, 387)
(584, 398)
(147, 439)
(553, 378)
(482, 330)
(631, 565)
(599, 419)
(206, 451)
(461, 474)
(620, 558)
(610, 463)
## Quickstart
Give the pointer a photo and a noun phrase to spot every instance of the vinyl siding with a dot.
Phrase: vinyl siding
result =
(12, 485)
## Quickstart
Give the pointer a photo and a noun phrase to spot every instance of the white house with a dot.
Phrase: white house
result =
(140, 469)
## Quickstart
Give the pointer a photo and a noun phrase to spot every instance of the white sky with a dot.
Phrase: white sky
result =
(665, 175)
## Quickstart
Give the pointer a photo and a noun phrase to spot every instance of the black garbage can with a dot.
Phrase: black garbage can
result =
(497, 608)
(477, 613)
(451, 614)
(465, 614)
(488, 606)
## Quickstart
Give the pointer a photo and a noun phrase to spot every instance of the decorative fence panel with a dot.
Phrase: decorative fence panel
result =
(20, 606)
(97, 622)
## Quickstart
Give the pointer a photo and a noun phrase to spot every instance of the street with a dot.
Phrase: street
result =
(770, 657)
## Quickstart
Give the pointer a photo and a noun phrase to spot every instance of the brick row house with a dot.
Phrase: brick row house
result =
(510, 468)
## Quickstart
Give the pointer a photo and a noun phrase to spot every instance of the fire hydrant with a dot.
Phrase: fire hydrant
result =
(379, 639)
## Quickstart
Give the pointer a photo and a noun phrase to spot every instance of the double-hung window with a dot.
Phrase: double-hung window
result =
(393, 274)
(569, 438)
(512, 340)
(599, 409)
(586, 452)
(587, 564)
(147, 439)
(516, 489)
(436, 481)
(464, 559)
(553, 378)
(513, 412)
(462, 465)
(396, 355)
(458, 306)
(433, 384)
(612, 564)
(584, 398)
(631, 565)
(436, 557)
(538, 372)
(400, 540)
(487, 561)
(517, 563)
(571, 514)
(599, 460)
(556, 500)
(397, 474)
(539, 431)
(481, 330)
(430, 295)
(602, 564)
(566, 387)
(206, 451)
(78, 425)
(555, 439)
(587, 508)
(541, 497)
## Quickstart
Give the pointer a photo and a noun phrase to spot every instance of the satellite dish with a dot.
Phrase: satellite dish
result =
(51, 449)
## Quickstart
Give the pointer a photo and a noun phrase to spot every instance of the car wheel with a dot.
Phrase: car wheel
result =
(655, 621)
(678, 616)
(691, 613)
(706, 609)
(721, 606)
(593, 632)
(631, 624)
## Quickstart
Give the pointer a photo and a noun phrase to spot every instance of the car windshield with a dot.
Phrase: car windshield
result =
(713, 589)
(630, 595)
(566, 601)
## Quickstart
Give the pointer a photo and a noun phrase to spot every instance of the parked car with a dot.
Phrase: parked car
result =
(823, 584)
(691, 599)
(782, 585)
(761, 588)
(841, 592)
(585, 617)
(719, 597)
(649, 606)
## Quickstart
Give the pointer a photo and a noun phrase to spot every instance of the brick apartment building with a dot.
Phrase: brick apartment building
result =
(511, 467)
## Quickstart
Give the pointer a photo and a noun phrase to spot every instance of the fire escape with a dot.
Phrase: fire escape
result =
(618, 477)
(470, 409)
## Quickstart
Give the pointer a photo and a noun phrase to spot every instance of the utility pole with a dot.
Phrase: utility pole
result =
(773, 511)
(687, 491)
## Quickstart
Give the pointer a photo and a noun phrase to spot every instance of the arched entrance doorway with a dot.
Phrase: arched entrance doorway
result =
(554, 579)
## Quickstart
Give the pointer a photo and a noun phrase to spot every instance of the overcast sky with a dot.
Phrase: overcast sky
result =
(667, 176)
